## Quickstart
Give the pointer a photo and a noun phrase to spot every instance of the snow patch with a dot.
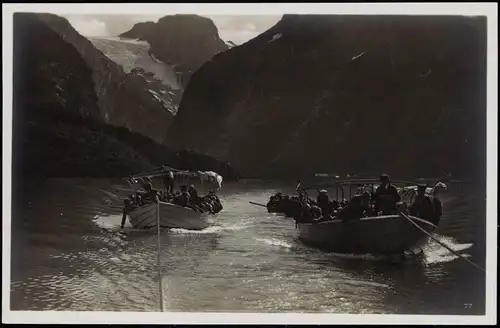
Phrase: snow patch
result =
(130, 54)
(275, 37)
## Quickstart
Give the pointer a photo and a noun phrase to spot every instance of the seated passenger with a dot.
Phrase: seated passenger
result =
(334, 205)
(323, 201)
(305, 213)
(386, 196)
(422, 207)
(193, 196)
(139, 199)
(217, 205)
(358, 207)
(344, 202)
(316, 212)
(182, 199)
(151, 194)
(437, 206)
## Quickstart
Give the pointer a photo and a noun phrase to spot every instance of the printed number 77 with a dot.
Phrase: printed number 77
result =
(467, 305)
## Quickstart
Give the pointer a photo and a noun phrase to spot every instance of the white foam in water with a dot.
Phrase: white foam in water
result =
(213, 229)
(275, 242)
(435, 253)
(109, 222)
(369, 257)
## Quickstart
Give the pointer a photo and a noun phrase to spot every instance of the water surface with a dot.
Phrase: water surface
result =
(65, 256)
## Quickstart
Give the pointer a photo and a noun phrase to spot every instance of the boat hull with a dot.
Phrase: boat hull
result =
(171, 216)
(392, 234)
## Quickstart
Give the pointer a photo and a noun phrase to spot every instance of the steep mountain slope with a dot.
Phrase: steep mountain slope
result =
(58, 126)
(123, 99)
(184, 41)
(401, 94)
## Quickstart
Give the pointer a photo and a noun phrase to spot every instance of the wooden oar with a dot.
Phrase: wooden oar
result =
(253, 203)
(442, 244)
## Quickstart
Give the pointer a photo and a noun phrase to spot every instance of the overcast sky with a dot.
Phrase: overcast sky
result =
(238, 29)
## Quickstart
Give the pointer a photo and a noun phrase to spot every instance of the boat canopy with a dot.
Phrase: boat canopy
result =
(204, 176)
(406, 189)
(356, 183)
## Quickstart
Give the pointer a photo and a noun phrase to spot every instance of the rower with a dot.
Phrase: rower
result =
(128, 206)
(422, 207)
(386, 196)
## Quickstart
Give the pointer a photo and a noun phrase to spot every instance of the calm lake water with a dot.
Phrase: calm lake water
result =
(67, 257)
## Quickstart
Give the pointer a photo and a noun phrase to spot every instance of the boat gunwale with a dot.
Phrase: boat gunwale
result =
(370, 218)
(355, 182)
(151, 207)
(145, 206)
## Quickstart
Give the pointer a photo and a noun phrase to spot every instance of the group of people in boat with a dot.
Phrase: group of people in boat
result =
(185, 197)
(386, 200)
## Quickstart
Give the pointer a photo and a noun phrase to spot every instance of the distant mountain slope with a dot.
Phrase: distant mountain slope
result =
(400, 94)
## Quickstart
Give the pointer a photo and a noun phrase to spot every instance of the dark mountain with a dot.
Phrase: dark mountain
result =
(59, 125)
(400, 94)
(139, 31)
(123, 99)
(184, 41)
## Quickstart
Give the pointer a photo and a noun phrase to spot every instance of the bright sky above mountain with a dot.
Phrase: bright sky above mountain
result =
(238, 29)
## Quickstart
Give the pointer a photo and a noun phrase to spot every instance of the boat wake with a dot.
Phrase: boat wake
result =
(111, 223)
(366, 257)
(214, 229)
(275, 242)
(435, 253)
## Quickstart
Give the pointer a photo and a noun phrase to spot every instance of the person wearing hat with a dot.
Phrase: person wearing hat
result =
(436, 203)
(422, 207)
(386, 196)
(151, 194)
(193, 196)
(323, 201)
(183, 199)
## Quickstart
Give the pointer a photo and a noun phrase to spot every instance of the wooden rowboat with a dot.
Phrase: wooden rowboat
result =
(171, 216)
(390, 234)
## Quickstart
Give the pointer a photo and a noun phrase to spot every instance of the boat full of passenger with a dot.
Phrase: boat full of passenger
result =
(382, 217)
(182, 208)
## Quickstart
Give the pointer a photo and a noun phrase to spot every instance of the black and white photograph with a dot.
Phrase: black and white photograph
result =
(241, 162)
